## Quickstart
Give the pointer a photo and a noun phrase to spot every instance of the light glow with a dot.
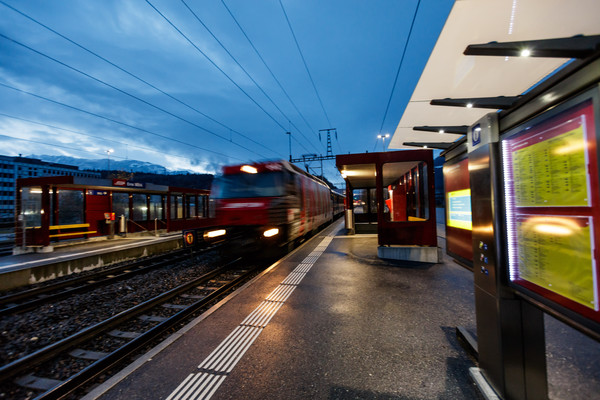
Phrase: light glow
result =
(248, 169)
(214, 234)
(271, 232)
(525, 53)
(469, 105)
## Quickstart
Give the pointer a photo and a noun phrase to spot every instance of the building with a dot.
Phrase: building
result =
(13, 168)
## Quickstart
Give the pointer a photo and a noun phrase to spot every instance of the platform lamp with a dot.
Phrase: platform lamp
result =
(383, 137)
(108, 157)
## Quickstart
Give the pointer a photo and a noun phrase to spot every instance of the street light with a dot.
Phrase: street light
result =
(108, 156)
(383, 137)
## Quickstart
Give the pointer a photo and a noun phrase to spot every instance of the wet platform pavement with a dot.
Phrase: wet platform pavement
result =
(352, 327)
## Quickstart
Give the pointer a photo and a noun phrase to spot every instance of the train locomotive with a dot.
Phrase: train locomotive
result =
(270, 204)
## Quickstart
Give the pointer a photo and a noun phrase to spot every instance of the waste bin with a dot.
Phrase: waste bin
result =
(349, 218)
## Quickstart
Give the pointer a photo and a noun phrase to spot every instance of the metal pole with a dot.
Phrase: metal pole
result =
(156, 227)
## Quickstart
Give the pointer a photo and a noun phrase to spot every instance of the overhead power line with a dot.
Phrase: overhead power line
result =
(215, 65)
(125, 93)
(268, 68)
(387, 107)
(304, 62)
(110, 119)
(133, 75)
(245, 71)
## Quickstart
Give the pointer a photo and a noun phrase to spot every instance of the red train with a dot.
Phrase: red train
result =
(270, 203)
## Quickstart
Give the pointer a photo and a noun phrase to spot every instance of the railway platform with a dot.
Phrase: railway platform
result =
(333, 321)
(24, 269)
(330, 321)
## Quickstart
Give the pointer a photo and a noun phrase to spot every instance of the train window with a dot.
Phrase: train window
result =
(232, 186)
(120, 202)
(70, 207)
(405, 194)
(156, 206)
(140, 207)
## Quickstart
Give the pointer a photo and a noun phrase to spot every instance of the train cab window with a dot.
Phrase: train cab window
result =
(70, 207)
(405, 191)
(244, 185)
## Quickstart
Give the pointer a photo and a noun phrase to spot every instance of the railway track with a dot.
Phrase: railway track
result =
(64, 366)
(25, 300)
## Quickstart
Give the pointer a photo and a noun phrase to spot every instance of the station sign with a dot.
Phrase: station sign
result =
(129, 184)
(189, 238)
(92, 192)
(552, 206)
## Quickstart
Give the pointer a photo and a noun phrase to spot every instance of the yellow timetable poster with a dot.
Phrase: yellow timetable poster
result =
(556, 254)
(552, 172)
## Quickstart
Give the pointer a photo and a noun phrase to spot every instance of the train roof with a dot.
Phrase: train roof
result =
(270, 165)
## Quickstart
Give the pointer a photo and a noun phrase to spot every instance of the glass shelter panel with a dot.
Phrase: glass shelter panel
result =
(70, 207)
(156, 206)
(140, 207)
(31, 206)
(405, 192)
(121, 204)
(191, 205)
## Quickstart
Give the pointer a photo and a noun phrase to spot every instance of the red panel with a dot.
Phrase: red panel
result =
(96, 205)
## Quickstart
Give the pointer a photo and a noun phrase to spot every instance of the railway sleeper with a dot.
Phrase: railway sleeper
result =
(123, 335)
(87, 354)
(37, 383)
(152, 318)
(175, 306)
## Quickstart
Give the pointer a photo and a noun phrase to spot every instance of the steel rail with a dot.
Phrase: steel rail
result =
(98, 367)
(91, 282)
(31, 360)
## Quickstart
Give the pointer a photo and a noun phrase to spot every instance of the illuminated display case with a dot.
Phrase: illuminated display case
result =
(552, 208)
(458, 211)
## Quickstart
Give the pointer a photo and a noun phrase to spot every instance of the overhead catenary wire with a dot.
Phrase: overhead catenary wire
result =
(268, 68)
(216, 66)
(387, 107)
(306, 66)
(245, 71)
(111, 119)
(125, 93)
(135, 76)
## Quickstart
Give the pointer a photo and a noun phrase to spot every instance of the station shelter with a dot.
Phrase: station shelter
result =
(51, 209)
(392, 194)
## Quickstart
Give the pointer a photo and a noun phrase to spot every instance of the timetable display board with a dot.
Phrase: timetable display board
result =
(458, 210)
(552, 205)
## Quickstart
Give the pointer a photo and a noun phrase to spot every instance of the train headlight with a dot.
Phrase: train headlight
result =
(214, 234)
(271, 232)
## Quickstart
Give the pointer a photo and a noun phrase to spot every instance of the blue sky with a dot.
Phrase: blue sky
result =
(159, 99)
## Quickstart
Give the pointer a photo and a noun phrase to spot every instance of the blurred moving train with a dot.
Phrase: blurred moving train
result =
(272, 203)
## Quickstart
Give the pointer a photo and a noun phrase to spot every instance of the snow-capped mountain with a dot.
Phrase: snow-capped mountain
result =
(115, 165)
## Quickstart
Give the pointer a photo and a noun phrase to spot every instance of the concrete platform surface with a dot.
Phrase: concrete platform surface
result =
(350, 326)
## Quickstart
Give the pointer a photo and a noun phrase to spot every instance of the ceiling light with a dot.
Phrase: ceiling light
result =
(525, 53)
(469, 105)
(441, 131)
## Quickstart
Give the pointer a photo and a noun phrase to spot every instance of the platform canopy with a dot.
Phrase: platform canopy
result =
(451, 74)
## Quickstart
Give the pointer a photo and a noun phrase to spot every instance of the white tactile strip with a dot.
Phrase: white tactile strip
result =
(215, 368)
